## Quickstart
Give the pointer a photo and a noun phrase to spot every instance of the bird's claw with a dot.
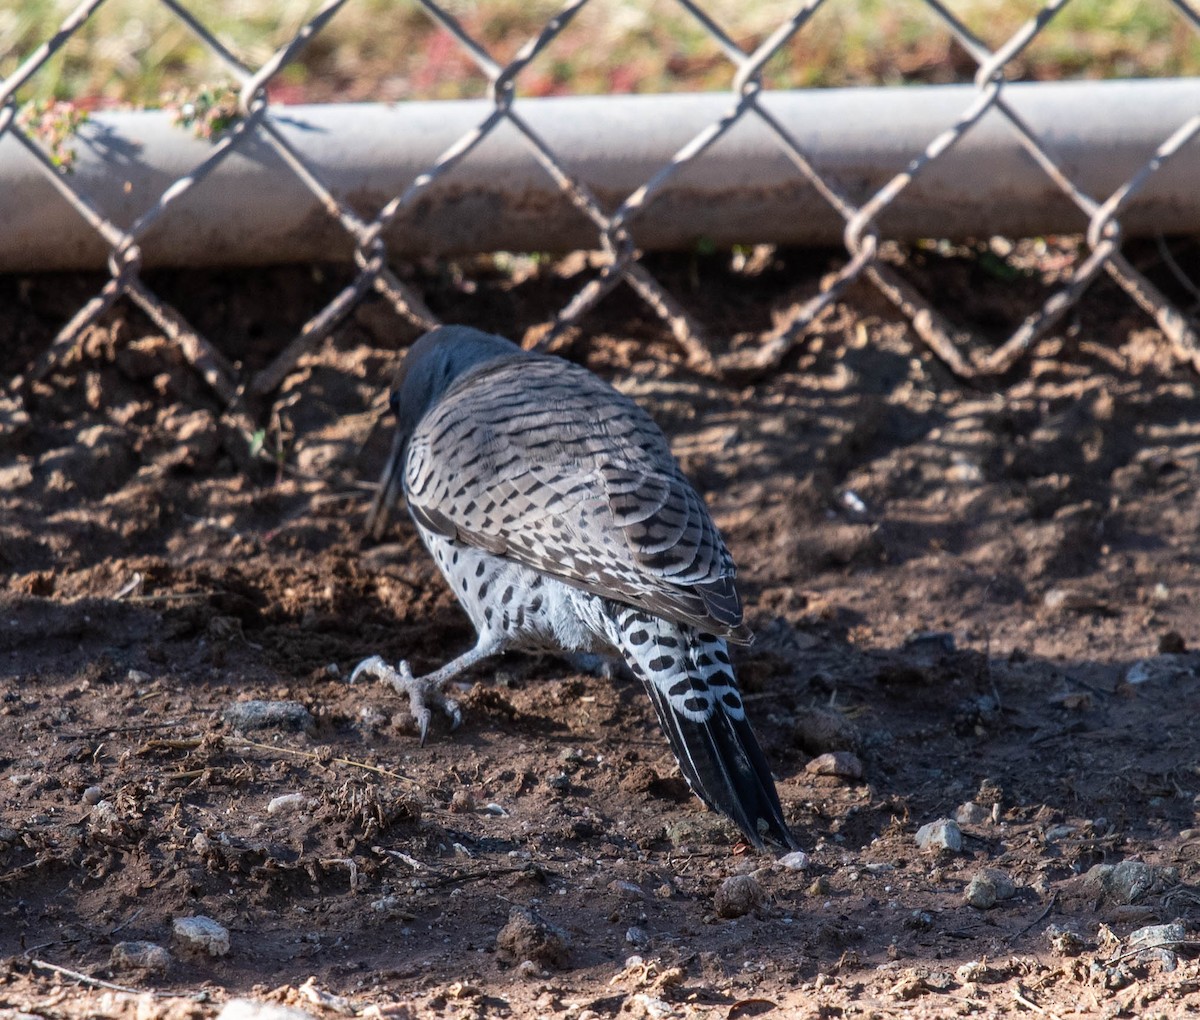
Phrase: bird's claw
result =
(420, 692)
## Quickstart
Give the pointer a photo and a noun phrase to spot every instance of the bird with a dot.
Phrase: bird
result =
(555, 510)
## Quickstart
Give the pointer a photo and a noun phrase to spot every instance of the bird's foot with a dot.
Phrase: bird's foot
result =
(422, 691)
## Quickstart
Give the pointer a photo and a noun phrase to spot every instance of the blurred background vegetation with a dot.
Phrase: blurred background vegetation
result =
(138, 53)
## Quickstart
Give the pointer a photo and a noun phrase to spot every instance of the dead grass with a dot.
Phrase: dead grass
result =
(138, 52)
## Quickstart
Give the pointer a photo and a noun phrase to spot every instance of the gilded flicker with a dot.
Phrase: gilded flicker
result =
(555, 510)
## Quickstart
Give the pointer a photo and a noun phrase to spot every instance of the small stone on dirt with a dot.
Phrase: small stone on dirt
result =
(1130, 881)
(797, 860)
(527, 936)
(1162, 669)
(93, 795)
(737, 896)
(1064, 941)
(143, 956)
(201, 935)
(248, 1009)
(944, 834)
(626, 890)
(819, 730)
(930, 642)
(287, 803)
(262, 715)
(987, 887)
(1172, 643)
(1068, 600)
(1157, 942)
(836, 763)
(970, 813)
(462, 802)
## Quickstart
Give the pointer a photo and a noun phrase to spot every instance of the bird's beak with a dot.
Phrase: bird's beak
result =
(391, 482)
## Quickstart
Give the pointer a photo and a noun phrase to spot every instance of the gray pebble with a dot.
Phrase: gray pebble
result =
(248, 1009)
(944, 834)
(262, 715)
(836, 763)
(970, 813)
(202, 935)
(626, 890)
(987, 887)
(527, 936)
(1130, 881)
(144, 956)
(737, 896)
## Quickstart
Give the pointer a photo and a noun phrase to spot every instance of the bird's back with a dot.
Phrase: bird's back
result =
(535, 459)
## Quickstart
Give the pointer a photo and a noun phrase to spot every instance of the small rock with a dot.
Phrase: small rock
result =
(636, 936)
(527, 936)
(1130, 881)
(737, 896)
(387, 904)
(528, 970)
(1158, 936)
(1057, 832)
(137, 676)
(462, 802)
(262, 715)
(1065, 941)
(202, 935)
(144, 956)
(912, 985)
(944, 834)
(797, 860)
(18, 476)
(970, 813)
(93, 795)
(819, 886)
(287, 803)
(626, 890)
(1067, 600)
(973, 971)
(930, 642)
(919, 920)
(836, 763)
(987, 887)
(248, 1009)
(819, 730)
(697, 830)
(1172, 643)
(1161, 669)
(103, 818)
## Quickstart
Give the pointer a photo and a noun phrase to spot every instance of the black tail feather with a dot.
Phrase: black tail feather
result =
(723, 764)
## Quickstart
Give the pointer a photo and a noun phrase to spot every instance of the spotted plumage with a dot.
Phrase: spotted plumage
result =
(555, 510)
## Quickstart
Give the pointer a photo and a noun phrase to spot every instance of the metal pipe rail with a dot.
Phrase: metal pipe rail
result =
(252, 209)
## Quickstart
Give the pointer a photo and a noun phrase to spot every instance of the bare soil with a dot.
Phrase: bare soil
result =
(985, 595)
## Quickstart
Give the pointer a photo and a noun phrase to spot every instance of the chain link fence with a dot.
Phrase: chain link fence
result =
(616, 229)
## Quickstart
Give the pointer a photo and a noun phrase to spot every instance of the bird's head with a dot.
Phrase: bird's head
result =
(432, 364)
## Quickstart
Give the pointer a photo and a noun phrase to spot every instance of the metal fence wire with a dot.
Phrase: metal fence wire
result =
(616, 231)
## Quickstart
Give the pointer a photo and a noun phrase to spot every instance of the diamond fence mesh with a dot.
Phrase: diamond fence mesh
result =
(616, 230)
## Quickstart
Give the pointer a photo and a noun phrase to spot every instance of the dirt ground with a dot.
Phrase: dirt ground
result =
(981, 600)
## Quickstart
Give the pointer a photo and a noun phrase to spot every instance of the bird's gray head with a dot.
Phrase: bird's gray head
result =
(429, 368)
(433, 363)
